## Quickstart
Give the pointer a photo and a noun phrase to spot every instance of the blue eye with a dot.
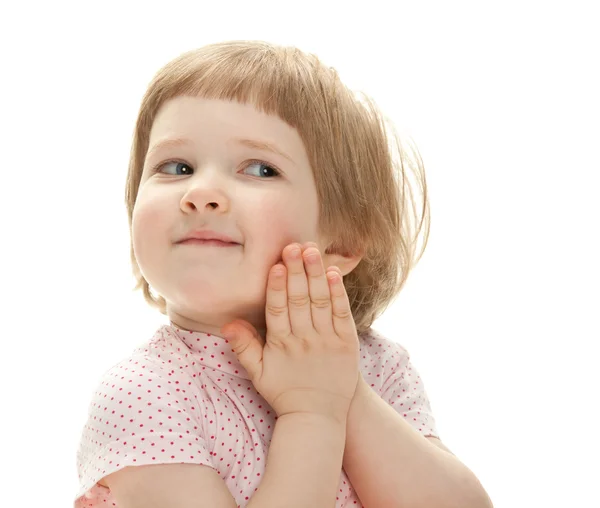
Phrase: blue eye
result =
(178, 165)
(264, 169)
(184, 169)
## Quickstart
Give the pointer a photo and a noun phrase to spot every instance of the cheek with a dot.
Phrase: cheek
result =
(148, 224)
(285, 221)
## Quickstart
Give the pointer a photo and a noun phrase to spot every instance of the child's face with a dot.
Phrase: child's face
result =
(216, 184)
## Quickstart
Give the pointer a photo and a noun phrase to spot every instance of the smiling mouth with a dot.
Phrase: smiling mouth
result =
(208, 243)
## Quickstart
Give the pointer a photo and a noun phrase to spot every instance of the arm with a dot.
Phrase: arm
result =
(172, 485)
(391, 464)
(304, 463)
(308, 375)
(303, 469)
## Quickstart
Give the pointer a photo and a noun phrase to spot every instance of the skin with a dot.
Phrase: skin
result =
(220, 187)
(307, 370)
(307, 365)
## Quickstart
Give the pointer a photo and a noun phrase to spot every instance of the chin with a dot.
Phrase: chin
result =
(215, 302)
(196, 290)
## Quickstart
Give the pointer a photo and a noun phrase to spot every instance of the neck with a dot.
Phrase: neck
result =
(199, 323)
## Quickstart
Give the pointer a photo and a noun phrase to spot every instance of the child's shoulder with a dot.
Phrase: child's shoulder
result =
(163, 345)
(158, 356)
(379, 355)
(374, 342)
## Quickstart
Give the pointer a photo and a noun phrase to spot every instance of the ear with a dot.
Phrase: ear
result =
(346, 262)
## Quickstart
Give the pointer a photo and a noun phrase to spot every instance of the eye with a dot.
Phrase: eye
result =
(181, 168)
(263, 169)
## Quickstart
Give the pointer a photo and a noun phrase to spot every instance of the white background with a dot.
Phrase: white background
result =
(501, 317)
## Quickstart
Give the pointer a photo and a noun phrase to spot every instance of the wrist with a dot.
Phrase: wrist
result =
(315, 419)
(313, 403)
(361, 395)
(362, 389)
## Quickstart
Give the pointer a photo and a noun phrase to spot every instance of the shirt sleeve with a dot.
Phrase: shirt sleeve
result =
(140, 414)
(404, 390)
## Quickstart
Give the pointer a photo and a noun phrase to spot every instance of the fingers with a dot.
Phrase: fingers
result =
(303, 298)
(276, 308)
(246, 344)
(341, 312)
(343, 321)
(297, 292)
(318, 289)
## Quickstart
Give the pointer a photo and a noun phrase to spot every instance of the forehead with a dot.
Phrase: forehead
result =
(199, 119)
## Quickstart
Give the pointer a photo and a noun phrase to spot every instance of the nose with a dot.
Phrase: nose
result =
(205, 195)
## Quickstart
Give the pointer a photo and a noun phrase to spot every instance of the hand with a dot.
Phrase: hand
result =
(309, 361)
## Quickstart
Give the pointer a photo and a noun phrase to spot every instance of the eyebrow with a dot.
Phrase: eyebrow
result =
(264, 146)
(250, 143)
(167, 143)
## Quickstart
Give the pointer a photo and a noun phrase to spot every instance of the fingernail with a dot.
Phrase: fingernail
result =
(312, 258)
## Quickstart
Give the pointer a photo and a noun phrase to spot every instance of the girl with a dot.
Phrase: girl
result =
(268, 387)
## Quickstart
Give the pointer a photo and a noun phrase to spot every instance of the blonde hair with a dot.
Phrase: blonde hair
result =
(366, 199)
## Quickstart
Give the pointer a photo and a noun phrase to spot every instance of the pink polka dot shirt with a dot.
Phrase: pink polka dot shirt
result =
(183, 397)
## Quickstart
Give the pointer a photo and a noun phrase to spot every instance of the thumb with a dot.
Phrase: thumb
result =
(246, 344)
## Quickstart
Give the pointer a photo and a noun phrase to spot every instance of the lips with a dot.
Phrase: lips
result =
(205, 236)
(213, 242)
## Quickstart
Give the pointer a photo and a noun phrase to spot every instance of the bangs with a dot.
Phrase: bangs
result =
(366, 202)
(276, 81)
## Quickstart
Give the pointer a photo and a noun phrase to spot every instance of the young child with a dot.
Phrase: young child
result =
(268, 387)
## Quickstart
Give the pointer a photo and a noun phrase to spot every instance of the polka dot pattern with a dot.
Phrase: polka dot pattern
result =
(184, 398)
